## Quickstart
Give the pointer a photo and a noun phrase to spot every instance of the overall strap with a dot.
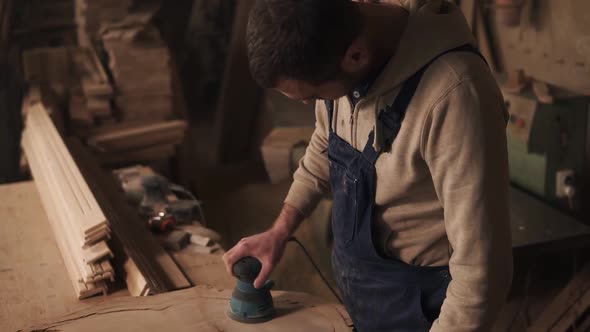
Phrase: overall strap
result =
(392, 116)
(330, 108)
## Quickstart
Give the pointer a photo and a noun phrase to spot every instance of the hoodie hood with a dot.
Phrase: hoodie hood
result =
(434, 26)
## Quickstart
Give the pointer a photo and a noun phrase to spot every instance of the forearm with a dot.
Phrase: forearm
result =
(287, 222)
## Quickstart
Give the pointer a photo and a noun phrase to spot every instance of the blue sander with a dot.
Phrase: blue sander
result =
(249, 304)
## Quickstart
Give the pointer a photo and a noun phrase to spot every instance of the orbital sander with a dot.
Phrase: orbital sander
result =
(249, 304)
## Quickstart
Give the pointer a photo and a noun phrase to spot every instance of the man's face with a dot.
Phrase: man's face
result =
(308, 93)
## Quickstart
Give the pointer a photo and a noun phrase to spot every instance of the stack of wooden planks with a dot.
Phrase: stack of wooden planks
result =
(140, 63)
(141, 128)
(92, 14)
(149, 268)
(79, 197)
(78, 222)
(76, 74)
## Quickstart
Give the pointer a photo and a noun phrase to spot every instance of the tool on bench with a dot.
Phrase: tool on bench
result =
(249, 304)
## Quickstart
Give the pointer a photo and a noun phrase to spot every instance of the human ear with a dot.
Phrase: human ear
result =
(356, 57)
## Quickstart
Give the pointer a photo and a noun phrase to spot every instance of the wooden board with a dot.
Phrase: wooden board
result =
(139, 136)
(199, 309)
(75, 189)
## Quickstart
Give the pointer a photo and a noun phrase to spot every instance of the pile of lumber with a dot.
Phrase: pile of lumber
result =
(41, 23)
(92, 14)
(90, 100)
(142, 127)
(140, 63)
(149, 269)
(86, 208)
(78, 222)
(75, 74)
(146, 128)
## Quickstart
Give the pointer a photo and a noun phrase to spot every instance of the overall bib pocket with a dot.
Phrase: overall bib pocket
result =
(344, 209)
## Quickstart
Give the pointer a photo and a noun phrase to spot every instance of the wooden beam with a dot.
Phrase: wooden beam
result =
(239, 103)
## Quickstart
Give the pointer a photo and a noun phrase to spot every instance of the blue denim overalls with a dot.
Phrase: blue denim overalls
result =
(381, 294)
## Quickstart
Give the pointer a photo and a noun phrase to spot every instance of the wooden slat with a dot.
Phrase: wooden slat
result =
(140, 136)
(157, 152)
(155, 264)
(91, 214)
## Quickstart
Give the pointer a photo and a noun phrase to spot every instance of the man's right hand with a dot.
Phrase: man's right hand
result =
(268, 246)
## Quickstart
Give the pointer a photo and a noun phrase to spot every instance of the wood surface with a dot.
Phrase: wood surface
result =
(199, 309)
(34, 282)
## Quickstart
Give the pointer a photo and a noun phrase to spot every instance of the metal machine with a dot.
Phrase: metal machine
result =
(542, 49)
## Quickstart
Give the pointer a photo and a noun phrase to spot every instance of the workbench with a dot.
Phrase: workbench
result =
(36, 293)
(34, 283)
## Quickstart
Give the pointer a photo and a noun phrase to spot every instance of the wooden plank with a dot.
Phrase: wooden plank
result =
(468, 9)
(150, 153)
(556, 317)
(91, 214)
(97, 252)
(140, 136)
(136, 282)
(575, 312)
(158, 268)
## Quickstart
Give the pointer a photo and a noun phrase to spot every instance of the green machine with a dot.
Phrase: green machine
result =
(547, 146)
(542, 48)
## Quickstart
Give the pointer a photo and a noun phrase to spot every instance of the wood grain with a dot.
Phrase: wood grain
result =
(199, 309)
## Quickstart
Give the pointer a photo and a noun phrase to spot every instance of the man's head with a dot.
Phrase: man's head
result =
(307, 49)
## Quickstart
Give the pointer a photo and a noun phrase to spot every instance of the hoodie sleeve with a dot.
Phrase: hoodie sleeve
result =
(311, 180)
(464, 145)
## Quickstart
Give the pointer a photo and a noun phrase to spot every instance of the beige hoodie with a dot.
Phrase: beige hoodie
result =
(442, 191)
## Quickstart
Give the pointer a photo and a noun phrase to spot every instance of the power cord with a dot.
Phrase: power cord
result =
(294, 239)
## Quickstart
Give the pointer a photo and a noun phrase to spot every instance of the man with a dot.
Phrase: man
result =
(410, 139)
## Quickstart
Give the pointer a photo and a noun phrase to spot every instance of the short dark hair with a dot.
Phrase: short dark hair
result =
(300, 39)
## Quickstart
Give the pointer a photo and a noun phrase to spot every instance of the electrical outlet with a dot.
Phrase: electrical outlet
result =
(560, 184)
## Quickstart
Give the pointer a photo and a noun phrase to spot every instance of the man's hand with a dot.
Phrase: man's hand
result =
(268, 246)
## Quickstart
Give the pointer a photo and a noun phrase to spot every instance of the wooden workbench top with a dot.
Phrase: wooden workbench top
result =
(34, 283)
